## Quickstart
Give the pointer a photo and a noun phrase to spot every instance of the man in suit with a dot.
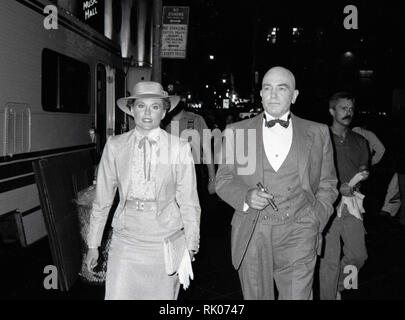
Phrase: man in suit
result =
(293, 159)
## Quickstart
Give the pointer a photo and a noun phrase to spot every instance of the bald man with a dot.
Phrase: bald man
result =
(276, 230)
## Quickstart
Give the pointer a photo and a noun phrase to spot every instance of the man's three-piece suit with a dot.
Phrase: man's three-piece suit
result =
(279, 245)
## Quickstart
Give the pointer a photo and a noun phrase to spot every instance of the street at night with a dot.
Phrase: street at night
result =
(199, 150)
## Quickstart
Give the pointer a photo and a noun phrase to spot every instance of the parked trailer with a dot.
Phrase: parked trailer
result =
(55, 85)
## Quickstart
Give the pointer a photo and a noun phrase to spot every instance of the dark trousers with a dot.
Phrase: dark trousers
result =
(331, 273)
(401, 182)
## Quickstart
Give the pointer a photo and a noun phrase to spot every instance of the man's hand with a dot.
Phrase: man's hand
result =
(211, 186)
(365, 174)
(257, 199)
(346, 190)
(91, 259)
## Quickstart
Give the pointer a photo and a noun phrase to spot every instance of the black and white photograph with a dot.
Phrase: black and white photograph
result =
(202, 153)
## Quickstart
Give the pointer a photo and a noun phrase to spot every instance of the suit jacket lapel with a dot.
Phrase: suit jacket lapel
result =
(163, 159)
(304, 139)
(125, 162)
(259, 148)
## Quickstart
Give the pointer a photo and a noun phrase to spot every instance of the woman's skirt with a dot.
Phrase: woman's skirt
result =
(136, 266)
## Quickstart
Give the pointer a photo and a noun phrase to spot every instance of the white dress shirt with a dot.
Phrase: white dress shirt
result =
(277, 142)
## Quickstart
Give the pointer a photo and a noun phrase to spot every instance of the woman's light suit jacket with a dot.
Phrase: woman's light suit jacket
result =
(176, 188)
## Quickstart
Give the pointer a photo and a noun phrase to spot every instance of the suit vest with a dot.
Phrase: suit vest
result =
(286, 188)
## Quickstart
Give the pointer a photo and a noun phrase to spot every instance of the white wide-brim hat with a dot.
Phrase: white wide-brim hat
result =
(147, 89)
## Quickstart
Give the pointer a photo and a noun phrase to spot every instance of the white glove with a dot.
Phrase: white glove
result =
(354, 205)
(359, 176)
(185, 271)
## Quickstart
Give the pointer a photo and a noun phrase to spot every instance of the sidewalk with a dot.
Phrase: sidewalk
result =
(382, 277)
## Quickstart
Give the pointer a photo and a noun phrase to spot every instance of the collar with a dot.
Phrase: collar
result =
(270, 117)
(152, 135)
(343, 138)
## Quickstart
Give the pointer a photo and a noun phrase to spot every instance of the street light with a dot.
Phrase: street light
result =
(212, 57)
(348, 55)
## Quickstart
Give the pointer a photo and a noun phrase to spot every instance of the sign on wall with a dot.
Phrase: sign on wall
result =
(92, 13)
(225, 103)
(174, 32)
(89, 9)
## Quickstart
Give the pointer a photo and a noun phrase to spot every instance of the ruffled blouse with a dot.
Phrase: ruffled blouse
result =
(143, 182)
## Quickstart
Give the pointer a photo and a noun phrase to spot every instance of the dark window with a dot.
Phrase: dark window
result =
(120, 121)
(133, 20)
(65, 83)
(117, 17)
(101, 104)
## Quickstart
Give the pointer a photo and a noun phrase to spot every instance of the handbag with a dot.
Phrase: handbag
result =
(84, 202)
(174, 247)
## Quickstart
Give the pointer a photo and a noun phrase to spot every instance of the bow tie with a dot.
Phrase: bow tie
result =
(143, 141)
(272, 123)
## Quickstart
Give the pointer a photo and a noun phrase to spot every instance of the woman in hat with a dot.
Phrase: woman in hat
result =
(155, 177)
